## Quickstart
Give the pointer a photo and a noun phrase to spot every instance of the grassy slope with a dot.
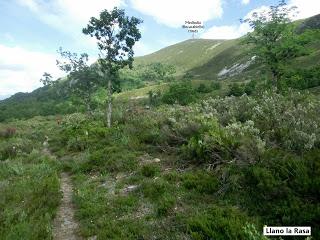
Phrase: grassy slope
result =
(185, 55)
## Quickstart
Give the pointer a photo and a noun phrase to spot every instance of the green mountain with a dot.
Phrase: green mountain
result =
(185, 55)
(207, 59)
(201, 59)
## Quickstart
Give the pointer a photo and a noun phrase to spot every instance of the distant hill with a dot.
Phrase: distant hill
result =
(203, 59)
(212, 59)
(309, 23)
(185, 55)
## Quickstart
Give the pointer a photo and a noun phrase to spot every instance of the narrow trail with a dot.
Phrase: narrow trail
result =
(65, 226)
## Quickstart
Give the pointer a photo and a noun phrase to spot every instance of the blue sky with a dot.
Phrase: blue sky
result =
(32, 30)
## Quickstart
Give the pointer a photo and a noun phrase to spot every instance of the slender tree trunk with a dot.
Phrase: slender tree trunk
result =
(109, 103)
(87, 100)
(274, 77)
(89, 112)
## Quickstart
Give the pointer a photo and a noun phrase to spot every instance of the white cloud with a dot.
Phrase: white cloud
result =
(141, 49)
(245, 2)
(21, 69)
(306, 8)
(226, 32)
(173, 13)
(232, 31)
(238, 30)
(63, 13)
(70, 16)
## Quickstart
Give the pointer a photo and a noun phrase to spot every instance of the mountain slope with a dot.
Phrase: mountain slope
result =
(213, 59)
(185, 55)
(203, 59)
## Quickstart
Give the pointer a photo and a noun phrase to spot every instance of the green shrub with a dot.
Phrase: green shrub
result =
(289, 121)
(285, 189)
(251, 233)
(203, 88)
(211, 145)
(250, 87)
(180, 93)
(236, 89)
(149, 170)
(165, 205)
(216, 85)
(301, 78)
(115, 230)
(155, 190)
(200, 181)
(112, 159)
(219, 223)
(15, 146)
(154, 97)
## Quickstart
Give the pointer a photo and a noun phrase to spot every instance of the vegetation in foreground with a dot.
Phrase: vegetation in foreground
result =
(29, 182)
(189, 172)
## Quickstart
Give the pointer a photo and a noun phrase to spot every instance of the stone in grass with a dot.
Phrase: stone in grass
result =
(156, 160)
(93, 238)
(129, 189)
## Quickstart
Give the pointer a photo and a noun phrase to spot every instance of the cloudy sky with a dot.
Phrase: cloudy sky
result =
(32, 30)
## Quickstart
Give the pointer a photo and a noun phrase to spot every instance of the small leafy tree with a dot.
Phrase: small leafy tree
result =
(163, 71)
(116, 35)
(47, 79)
(181, 93)
(274, 39)
(84, 80)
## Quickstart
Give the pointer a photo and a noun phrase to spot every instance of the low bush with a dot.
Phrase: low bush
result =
(301, 78)
(236, 89)
(111, 159)
(215, 85)
(285, 189)
(219, 223)
(155, 190)
(15, 146)
(165, 205)
(200, 181)
(150, 170)
(180, 93)
(203, 88)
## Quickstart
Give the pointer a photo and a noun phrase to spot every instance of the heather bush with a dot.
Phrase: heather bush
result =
(288, 121)
(285, 188)
(219, 223)
(15, 146)
(200, 181)
(228, 109)
(211, 145)
(248, 143)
